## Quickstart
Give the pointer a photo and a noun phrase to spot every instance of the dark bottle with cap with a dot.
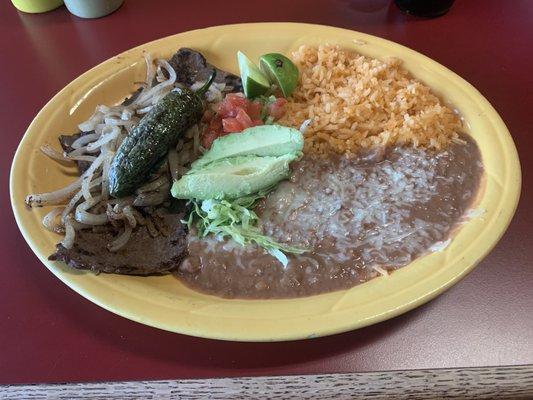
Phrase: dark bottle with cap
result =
(425, 8)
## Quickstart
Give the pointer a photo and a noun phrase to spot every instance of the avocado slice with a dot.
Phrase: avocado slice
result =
(234, 177)
(263, 140)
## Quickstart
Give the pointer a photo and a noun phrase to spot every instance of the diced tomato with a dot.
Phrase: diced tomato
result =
(236, 100)
(231, 104)
(227, 111)
(254, 110)
(215, 125)
(208, 138)
(231, 125)
(244, 119)
(212, 131)
(277, 108)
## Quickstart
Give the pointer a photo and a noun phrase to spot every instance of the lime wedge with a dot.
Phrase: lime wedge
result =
(254, 82)
(280, 71)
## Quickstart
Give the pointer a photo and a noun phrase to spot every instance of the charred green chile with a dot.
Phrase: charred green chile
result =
(149, 141)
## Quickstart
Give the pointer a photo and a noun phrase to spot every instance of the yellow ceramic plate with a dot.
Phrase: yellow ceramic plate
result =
(164, 302)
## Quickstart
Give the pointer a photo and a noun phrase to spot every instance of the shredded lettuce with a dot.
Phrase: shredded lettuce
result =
(237, 220)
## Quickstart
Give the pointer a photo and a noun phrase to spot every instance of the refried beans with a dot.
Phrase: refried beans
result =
(358, 217)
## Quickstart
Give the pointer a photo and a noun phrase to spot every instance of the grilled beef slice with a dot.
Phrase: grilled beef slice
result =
(142, 255)
(191, 66)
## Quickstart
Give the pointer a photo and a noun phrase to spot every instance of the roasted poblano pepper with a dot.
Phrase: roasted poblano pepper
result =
(150, 140)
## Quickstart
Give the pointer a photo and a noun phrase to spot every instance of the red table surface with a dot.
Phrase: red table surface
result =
(49, 333)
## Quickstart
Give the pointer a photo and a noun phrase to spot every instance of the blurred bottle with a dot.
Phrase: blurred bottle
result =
(425, 8)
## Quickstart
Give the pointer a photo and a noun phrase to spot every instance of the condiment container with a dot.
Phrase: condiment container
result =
(92, 8)
(36, 6)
